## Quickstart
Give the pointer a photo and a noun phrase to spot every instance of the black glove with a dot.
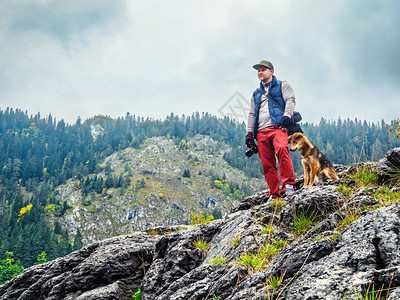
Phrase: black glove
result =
(249, 139)
(286, 122)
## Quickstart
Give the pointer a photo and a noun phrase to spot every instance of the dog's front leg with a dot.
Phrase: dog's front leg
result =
(306, 169)
(313, 172)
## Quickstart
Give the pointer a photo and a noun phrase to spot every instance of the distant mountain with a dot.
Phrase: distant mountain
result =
(167, 184)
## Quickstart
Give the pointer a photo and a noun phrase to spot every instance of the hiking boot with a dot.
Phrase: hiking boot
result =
(289, 189)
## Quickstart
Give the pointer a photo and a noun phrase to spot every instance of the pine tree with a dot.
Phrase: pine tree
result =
(78, 243)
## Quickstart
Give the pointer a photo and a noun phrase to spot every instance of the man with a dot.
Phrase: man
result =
(268, 123)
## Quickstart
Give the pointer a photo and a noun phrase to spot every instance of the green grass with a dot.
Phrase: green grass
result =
(365, 177)
(384, 194)
(202, 244)
(236, 240)
(370, 294)
(218, 260)
(344, 189)
(395, 176)
(303, 223)
(268, 229)
(259, 260)
(136, 295)
(274, 281)
(277, 203)
(350, 218)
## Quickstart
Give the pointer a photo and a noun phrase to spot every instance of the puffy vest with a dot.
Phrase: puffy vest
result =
(274, 91)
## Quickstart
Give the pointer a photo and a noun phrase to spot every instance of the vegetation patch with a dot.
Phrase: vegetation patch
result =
(386, 196)
(268, 229)
(259, 260)
(202, 244)
(218, 260)
(303, 222)
(350, 218)
(277, 203)
(344, 189)
(200, 219)
(274, 281)
(365, 177)
(236, 240)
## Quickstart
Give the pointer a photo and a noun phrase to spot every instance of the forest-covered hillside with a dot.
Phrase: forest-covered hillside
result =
(37, 154)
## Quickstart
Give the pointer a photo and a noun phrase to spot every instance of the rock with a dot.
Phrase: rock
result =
(102, 270)
(164, 263)
(248, 202)
(367, 245)
(311, 201)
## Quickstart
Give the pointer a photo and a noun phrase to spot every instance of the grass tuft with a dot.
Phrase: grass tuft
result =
(277, 203)
(268, 229)
(350, 218)
(303, 223)
(365, 177)
(218, 260)
(275, 281)
(260, 259)
(387, 197)
(202, 244)
(236, 240)
(344, 189)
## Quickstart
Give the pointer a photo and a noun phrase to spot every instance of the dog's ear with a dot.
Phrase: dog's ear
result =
(289, 138)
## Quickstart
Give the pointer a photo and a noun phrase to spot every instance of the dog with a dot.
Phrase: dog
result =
(317, 166)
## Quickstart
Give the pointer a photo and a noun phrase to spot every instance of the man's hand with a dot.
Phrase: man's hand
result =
(286, 122)
(249, 139)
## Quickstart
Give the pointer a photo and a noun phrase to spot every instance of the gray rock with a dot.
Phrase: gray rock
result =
(312, 201)
(93, 272)
(369, 244)
(166, 265)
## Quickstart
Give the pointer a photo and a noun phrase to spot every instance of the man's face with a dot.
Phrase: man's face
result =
(265, 74)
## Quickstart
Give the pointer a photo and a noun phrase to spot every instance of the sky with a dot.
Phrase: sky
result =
(81, 58)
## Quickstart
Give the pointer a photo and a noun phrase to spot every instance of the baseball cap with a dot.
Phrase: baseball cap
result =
(264, 63)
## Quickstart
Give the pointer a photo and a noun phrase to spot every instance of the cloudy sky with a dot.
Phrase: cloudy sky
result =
(150, 58)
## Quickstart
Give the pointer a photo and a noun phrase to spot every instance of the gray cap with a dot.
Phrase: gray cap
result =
(264, 63)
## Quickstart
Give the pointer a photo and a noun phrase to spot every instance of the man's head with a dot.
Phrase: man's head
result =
(265, 70)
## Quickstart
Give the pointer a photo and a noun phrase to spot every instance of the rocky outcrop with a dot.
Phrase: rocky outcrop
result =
(327, 261)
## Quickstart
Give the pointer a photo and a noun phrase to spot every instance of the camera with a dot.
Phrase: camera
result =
(253, 149)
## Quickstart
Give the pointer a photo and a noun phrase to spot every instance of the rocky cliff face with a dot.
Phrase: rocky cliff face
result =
(351, 248)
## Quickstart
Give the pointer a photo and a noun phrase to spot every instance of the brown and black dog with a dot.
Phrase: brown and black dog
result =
(317, 166)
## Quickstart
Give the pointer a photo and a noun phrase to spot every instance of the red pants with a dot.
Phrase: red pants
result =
(272, 141)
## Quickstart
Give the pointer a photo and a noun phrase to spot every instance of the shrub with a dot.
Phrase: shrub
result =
(200, 219)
